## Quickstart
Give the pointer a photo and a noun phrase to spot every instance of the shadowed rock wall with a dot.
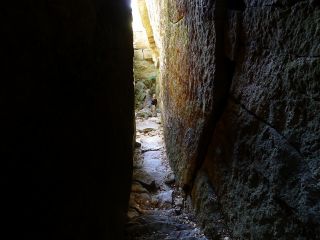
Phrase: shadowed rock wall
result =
(264, 158)
(67, 118)
(244, 75)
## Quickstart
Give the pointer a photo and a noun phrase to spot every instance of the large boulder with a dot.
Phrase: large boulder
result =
(243, 75)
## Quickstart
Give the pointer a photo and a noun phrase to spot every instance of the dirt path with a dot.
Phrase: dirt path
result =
(156, 205)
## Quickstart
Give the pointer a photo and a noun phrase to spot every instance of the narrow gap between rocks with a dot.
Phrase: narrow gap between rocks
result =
(157, 207)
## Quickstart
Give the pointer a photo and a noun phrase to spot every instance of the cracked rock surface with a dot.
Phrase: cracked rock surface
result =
(241, 112)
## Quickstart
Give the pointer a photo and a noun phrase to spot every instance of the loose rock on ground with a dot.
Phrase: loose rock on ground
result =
(156, 204)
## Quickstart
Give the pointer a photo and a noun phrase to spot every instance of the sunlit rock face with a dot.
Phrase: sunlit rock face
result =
(145, 19)
(67, 119)
(188, 79)
(243, 75)
(145, 55)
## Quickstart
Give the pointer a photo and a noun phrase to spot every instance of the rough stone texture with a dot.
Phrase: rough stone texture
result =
(66, 118)
(245, 74)
(264, 155)
(208, 208)
(264, 185)
(188, 78)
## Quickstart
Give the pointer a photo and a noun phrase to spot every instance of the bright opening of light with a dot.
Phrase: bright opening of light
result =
(136, 23)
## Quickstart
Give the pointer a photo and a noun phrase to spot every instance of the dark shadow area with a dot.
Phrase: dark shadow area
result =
(237, 5)
(67, 119)
(230, 69)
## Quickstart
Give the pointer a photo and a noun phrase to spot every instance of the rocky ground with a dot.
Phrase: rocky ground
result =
(156, 205)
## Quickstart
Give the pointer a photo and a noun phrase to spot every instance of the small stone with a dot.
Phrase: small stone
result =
(178, 202)
(170, 179)
(165, 199)
(146, 130)
(137, 145)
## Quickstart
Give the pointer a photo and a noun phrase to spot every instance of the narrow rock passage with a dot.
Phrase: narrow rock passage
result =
(156, 206)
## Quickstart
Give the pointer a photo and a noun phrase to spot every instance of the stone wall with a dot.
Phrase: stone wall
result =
(188, 75)
(264, 158)
(67, 118)
(243, 75)
(145, 58)
(143, 10)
